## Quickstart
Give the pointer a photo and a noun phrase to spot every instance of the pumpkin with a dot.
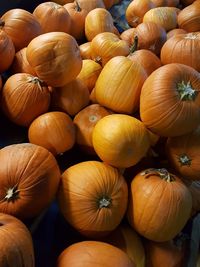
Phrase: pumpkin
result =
(175, 32)
(109, 3)
(119, 88)
(52, 17)
(85, 50)
(159, 205)
(107, 45)
(93, 97)
(29, 180)
(129, 36)
(182, 48)
(173, 3)
(93, 198)
(120, 140)
(97, 21)
(85, 120)
(71, 97)
(55, 57)
(7, 51)
(183, 154)
(135, 11)
(61, 127)
(195, 191)
(169, 100)
(16, 243)
(21, 26)
(92, 4)
(23, 98)
(20, 63)
(91, 253)
(159, 3)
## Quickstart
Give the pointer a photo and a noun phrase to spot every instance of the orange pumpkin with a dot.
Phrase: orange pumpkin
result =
(109, 3)
(169, 100)
(29, 181)
(61, 127)
(24, 97)
(16, 244)
(93, 253)
(21, 26)
(120, 140)
(150, 212)
(175, 32)
(85, 50)
(93, 197)
(129, 36)
(159, 3)
(60, 66)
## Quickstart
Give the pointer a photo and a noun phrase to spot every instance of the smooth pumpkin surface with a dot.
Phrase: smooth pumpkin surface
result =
(93, 197)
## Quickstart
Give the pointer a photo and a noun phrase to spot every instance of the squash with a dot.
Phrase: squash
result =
(129, 35)
(29, 181)
(16, 244)
(160, 204)
(169, 100)
(175, 32)
(120, 140)
(92, 197)
(91, 253)
(55, 57)
(85, 50)
(23, 98)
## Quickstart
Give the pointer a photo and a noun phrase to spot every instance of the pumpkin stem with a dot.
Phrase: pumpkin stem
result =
(37, 81)
(184, 160)
(2, 23)
(12, 194)
(98, 59)
(186, 91)
(162, 173)
(77, 7)
(134, 46)
(104, 202)
(93, 118)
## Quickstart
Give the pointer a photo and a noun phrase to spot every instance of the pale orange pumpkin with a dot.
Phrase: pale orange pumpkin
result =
(55, 57)
(150, 212)
(93, 197)
(71, 97)
(85, 50)
(120, 140)
(23, 98)
(175, 32)
(61, 127)
(30, 176)
(52, 17)
(21, 26)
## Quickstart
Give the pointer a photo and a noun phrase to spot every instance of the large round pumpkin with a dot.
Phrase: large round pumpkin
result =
(55, 57)
(29, 178)
(160, 204)
(170, 100)
(93, 253)
(16, 245)
(93, 197)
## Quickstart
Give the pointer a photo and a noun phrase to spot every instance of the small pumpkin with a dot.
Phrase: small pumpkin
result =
(24, 97)
(16, 244)
(120, 140)
(93, 198)
(150, 212)
(29, 180)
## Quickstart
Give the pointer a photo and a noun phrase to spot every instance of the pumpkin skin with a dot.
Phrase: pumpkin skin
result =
(150, 212)
(52, 17)
(21, 26)
(165, 104)
(29, 180)
(119, 88)
(85, 50)
(61, 127)
(61, 66)
(7, 51)
(93, 254)
(182, 48)
(93, 198)
(24, 97)
(183, 154)
(120, 140)
(175, 32)
(16, 243)
(129, 36)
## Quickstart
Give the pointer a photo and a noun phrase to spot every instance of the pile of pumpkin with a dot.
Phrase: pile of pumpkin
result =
(128, 99)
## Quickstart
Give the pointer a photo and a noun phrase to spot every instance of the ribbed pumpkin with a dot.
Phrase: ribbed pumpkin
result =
(91, 253)
(53, 130)
(119, 88)
(21, 26)
(159, 205)
(7, 51)
(120, 140)
(175, 32)
(55, 57)
(16, 244)
(182, 48)
(93, 197)
(128, 35)
(29, 179)
(24, 97)
(169, 100)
